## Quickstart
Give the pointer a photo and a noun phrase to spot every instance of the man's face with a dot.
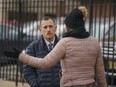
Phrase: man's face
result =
(48, 29)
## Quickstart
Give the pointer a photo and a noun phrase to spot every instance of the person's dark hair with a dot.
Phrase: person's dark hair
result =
(47, 18)
(75, 19)
(75, 23)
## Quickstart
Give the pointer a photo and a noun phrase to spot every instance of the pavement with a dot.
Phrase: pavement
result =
(4, 83)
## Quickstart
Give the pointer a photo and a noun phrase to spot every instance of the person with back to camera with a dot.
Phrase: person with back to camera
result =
(78, 52)
(40, 48)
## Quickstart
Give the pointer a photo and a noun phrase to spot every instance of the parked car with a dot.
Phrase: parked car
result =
(31, 28)
(12, 36)
(109, 52)
(104, 30)
(7, 34)
(98, 27)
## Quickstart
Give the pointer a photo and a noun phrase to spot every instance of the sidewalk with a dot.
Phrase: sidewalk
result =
(4, 83)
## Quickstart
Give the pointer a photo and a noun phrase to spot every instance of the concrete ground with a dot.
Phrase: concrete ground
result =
(4, 83)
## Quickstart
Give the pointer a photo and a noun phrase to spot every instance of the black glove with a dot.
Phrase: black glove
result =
(14, 54)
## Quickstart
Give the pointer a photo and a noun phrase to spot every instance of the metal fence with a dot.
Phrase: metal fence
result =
(19, 21)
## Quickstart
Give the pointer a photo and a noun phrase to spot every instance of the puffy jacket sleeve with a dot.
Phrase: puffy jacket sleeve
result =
(48, 61)
(30, 72)
(99, 70)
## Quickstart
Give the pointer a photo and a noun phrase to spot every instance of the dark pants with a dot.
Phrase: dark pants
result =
(89, 85)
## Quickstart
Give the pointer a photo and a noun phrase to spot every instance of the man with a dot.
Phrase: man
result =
(40, 48)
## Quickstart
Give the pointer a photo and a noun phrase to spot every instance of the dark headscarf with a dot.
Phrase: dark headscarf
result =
(74, 20)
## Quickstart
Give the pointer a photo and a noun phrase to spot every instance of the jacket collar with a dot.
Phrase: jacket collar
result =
(43, 43)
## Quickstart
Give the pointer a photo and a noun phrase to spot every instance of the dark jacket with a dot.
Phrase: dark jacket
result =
(38, 77)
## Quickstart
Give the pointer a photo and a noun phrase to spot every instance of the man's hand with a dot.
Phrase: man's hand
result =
(14, 54)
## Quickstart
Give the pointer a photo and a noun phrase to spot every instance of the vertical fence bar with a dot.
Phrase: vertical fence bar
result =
(109, 39)
(91, 17)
